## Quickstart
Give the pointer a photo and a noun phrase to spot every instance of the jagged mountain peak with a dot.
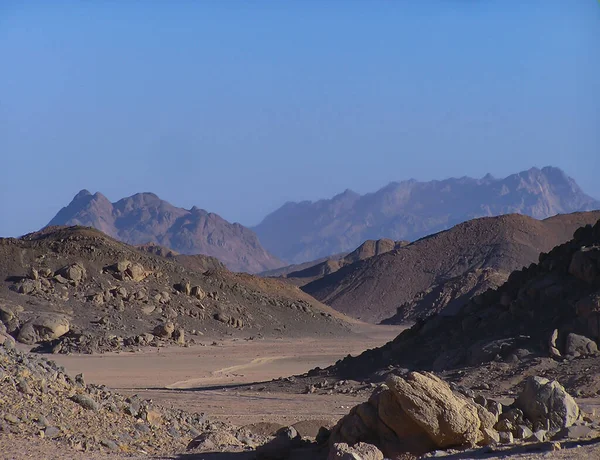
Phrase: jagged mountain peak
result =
(146, 218)
(410, 209)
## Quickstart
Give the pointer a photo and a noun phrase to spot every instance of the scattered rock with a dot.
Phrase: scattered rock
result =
(164, 330)
(579, 345)
(43, 328)
(543, 400)
(74, 272)
(86, 402)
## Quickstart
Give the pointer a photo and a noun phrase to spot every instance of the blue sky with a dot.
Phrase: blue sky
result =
(239, 106)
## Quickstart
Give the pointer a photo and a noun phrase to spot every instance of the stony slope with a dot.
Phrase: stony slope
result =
(298, 232)
(549, 309)
(109, 295)
(145, 218)
(373, 289)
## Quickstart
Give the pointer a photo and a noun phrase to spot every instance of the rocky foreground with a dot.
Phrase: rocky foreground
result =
(411, 415)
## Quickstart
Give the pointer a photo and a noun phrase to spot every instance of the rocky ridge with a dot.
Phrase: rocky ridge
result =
(145, 218)
(75, 289)
(444, 269)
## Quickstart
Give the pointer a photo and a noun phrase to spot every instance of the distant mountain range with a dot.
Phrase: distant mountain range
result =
(408, 210)
(145, 218)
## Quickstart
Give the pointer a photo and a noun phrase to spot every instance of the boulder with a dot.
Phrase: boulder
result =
(198, 292)
(28, 286)
(73, 272)
(543, 401)
(584, 264)
(178, 336)
(184, 287)
(579, 345)
(359, 451)
(211, 440)
(6, 340)
(447, 419)
(164, 330)
(136, 272)
(42, 328)
(279, 447)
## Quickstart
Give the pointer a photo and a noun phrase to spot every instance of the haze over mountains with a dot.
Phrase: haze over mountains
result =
(408, 210)
(145, 218)
(305, 231)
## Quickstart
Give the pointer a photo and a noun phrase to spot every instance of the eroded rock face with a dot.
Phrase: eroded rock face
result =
(42, 328)
(543, 400)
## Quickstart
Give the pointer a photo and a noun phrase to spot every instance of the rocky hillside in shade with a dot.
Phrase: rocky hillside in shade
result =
(408, 210)
(373, 289)
(76, 289)
(309, 272)
(549, 309)
(145, 218)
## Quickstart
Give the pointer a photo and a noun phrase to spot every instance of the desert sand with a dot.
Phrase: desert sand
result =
(202, 378)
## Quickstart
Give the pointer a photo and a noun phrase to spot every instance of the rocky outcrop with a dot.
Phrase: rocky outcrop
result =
(418, 412)
(115, 296)
(39, 400)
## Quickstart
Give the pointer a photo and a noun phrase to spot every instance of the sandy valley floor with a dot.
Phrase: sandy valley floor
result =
(200, 378)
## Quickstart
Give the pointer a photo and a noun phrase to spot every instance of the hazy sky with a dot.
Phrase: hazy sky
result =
(239, 106)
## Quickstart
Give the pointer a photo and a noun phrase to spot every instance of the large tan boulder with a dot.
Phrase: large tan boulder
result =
(449, 420)
(42, 328)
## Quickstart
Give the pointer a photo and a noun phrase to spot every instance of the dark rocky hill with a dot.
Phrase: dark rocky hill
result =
(298, 232)
(549, 311)
(145, 218)
(444, 268)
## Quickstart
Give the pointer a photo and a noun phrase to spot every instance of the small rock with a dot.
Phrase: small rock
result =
(86, 402)
(506, 437)
(51, 432)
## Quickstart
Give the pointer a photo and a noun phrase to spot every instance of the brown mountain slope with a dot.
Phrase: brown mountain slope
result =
(112, 295)
(144, 218)
(373, 289)
(511, 325)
